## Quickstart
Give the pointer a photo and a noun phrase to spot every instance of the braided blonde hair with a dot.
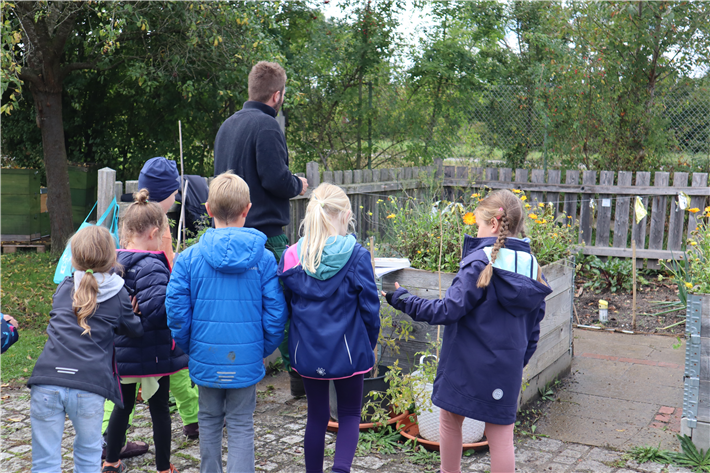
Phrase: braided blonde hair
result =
(504, 206)
(328, 204)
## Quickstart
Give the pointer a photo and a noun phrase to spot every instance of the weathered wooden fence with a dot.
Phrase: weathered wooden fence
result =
(602, 203)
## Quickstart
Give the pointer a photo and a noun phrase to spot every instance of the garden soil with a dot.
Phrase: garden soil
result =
(586, 304)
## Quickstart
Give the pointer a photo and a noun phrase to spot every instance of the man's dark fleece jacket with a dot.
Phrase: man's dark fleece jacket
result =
(251, 144)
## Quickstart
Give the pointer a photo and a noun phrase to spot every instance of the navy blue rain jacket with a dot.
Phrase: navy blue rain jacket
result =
(154, 354)
(334, 322)
(490, 334)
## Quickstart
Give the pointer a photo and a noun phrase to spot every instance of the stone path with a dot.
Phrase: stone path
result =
(279, 427)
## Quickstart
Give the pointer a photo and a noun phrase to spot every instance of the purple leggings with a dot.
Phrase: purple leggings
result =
(349, 404)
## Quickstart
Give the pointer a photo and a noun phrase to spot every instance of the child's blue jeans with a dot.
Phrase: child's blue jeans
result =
(48, 407)
(237, 407)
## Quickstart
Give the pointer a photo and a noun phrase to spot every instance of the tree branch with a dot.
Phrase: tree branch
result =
(30, 75)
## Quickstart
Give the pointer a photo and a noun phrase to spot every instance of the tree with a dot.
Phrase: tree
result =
(148, 64)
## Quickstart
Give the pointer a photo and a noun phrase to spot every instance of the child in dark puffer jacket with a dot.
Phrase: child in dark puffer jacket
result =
(152, 358)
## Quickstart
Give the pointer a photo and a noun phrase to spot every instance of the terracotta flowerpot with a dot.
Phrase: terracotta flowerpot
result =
(410, 430)
(333, 425)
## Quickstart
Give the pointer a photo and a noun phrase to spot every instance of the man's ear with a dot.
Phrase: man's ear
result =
(246, 211)
(209, 212)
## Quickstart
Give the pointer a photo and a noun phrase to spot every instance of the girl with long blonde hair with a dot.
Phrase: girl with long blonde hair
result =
(330, 287)
(76, 371)
(492, 314)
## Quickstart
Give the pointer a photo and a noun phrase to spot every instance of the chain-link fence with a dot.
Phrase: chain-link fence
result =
(506, 121)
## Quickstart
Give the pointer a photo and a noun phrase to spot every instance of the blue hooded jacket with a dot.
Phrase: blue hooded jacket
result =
(490, 334)
(335, 313)
(226, 309)
(154, 354)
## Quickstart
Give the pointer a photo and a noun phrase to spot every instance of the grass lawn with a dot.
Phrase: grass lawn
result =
(26, 290)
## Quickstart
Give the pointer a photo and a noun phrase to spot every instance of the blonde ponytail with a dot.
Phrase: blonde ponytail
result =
(93, 250)
(328, 204)
(142, 216)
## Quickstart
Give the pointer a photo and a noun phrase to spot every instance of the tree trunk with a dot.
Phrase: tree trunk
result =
(49, 119)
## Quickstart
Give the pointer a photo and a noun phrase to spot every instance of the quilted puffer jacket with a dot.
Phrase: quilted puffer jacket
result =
(154, 354)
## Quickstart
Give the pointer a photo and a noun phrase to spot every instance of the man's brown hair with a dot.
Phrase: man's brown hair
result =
(266, 78)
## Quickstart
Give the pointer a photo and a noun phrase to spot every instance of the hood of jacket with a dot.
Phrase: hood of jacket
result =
(336, 254)
(517, 293)
(109, 284)
(232, 250)
(297, 280)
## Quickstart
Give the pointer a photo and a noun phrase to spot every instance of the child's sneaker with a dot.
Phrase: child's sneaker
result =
(171, 470)
(191, 431)
(119, 468)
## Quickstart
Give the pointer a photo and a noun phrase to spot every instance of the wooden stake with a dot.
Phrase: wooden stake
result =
(441, 250)
(633, 281)
(372, 259)
(182, 176)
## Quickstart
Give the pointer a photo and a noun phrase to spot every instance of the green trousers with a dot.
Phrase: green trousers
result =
(277, 245)
(185, 395)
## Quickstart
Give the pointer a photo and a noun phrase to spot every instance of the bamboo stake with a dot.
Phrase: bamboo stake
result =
(441, 250)
(372, 260)
(633, 282)
(182, 177)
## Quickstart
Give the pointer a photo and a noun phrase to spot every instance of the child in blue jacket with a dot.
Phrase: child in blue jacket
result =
(335, 321)
(492, 314)
(227, 311)
(10, 332)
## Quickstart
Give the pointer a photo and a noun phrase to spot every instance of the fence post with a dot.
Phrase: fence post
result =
(106, 190)
(313, 174)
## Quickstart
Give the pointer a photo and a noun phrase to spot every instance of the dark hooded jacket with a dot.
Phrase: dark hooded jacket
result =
(490, 334)
(335, 314)
(154, 354)
(86, 362)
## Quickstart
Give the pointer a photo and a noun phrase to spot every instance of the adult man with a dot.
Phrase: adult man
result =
(252, 145)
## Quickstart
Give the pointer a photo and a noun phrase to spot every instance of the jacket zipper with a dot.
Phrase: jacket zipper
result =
(348, 348)
(295, 354)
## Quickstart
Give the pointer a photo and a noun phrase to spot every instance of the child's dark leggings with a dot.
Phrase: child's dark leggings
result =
(159, 413)
(349, 404)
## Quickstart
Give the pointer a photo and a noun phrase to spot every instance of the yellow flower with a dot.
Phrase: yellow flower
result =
(469, 218)
(569, 216)
(533, 216)
(419, 252)
(689, 285)
(540, 204)
(693, 243)
(391, 216)
(516, 191)
(694, 210)
(369, 213)
(538, 221)
(474, 195)
(543, 221)
(362, 207)
(707, 209)
(527, 206)
(554, 234)
(523, 198)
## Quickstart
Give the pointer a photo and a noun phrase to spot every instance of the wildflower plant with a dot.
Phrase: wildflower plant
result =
(698, 256)
(425, 230)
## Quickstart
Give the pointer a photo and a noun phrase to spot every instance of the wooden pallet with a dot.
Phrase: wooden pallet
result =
(13, 248)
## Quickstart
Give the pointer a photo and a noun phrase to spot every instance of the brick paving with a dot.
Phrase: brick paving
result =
(279, 427)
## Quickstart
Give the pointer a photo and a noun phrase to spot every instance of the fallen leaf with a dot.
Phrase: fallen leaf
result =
(620, 430)
(15, 419)
(4, 385)
(5, 397)
(25, 370)
(29, 357)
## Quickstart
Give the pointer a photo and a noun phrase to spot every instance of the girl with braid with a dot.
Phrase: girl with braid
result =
(492, 314)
